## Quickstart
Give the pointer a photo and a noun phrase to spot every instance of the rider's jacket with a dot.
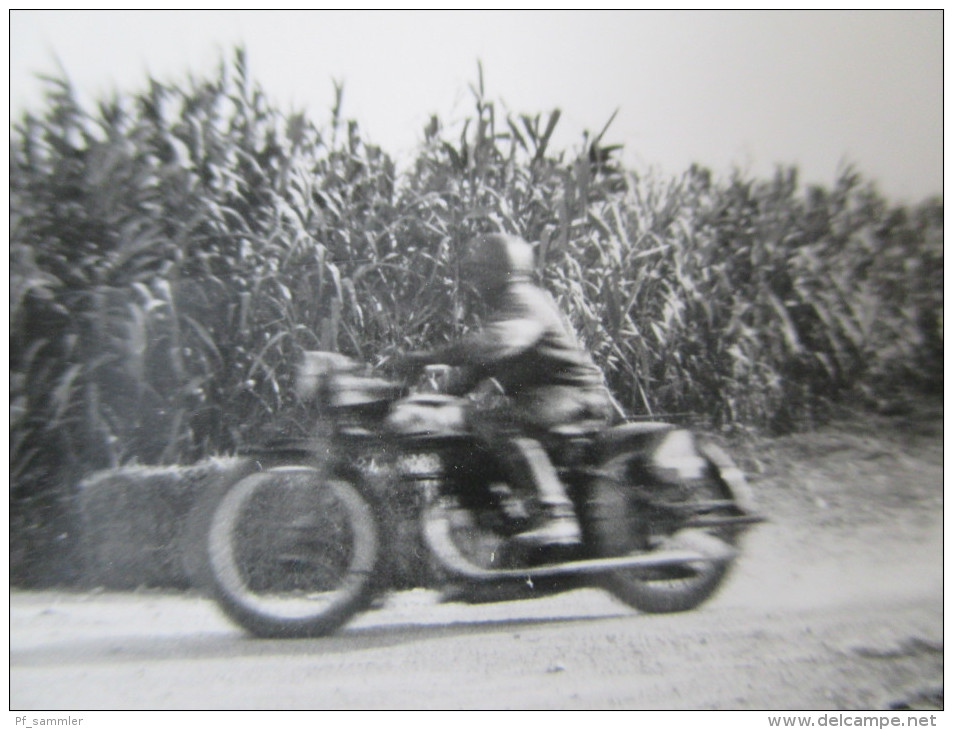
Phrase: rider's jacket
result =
(525, 344)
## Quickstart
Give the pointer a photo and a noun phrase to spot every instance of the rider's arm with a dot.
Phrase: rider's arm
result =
(499, 340)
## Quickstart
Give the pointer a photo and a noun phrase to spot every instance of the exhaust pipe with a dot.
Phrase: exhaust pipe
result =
(708, 550)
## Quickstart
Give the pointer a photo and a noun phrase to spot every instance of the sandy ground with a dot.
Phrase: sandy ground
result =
(835, 605)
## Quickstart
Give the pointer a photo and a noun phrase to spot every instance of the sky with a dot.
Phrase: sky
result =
(746, 90)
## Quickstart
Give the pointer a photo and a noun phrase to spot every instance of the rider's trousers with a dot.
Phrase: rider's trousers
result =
(513, 431)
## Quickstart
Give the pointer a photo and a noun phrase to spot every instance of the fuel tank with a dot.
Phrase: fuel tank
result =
(428, 414)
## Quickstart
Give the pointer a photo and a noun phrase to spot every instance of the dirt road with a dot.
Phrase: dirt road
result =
(835, 605)
(859, 629)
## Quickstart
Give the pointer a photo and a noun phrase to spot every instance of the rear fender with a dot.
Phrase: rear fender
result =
(673, 454)
(638, 439)
(669, 454)
(730, 475)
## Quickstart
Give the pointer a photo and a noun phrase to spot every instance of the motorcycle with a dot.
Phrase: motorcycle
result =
(308, 532)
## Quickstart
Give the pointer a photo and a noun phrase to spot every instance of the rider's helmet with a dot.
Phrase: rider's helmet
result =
(495, 259)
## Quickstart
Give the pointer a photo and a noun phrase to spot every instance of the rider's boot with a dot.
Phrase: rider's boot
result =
(559, 527)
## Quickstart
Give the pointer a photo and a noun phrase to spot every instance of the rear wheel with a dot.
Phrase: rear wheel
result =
(291, 553)
(630, 515)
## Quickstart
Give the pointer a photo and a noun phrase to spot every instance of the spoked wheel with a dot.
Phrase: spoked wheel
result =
(291, 553)
(624, 522)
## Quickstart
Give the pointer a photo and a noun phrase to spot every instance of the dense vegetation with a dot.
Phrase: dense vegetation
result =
(174, 250)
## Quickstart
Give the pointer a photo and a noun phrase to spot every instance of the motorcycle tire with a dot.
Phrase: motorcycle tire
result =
(291, 553)
(619, 526)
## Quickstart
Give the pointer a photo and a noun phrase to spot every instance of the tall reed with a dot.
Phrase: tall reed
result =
(175, 249)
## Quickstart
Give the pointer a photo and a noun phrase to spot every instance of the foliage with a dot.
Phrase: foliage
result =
(752, 304)
(174, 251)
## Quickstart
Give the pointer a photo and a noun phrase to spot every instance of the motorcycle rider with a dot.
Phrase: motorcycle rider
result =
(528, 347)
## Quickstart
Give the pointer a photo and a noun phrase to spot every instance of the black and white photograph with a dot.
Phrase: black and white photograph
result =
(476, 360)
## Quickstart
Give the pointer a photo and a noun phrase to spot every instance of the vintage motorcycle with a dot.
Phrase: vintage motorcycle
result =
(307, 532)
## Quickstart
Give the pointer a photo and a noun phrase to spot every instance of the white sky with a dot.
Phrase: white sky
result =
(746, 89)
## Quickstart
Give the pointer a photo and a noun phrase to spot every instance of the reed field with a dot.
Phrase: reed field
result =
(175, 249)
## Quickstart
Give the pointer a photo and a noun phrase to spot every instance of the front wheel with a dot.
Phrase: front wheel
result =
(627, 518)
(293, 554)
